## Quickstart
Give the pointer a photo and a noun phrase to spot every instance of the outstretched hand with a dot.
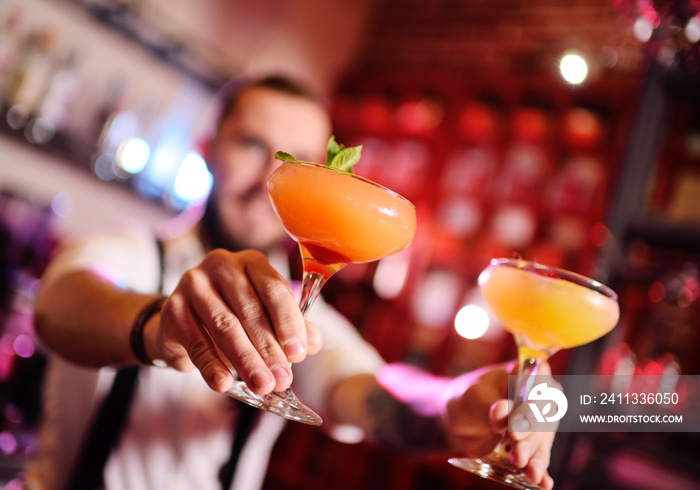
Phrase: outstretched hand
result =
(234, 311)
(476, 417)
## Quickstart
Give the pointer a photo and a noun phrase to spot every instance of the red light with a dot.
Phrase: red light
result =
(582, 129)
(599, 234)
(657, 292)
(478, 123)
(653, 368)
(530, 124)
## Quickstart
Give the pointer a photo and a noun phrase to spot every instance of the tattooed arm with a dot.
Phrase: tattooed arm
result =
(405, 408)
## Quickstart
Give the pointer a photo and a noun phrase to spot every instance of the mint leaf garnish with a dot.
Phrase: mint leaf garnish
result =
(284, 156)
(337, 156)
(346, 158)
(332, 149)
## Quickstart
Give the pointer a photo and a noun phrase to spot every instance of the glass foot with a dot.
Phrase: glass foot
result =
(495, 468)
(282, 403)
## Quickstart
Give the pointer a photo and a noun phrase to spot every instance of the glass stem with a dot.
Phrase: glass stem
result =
(526, 378)
(529, 362)
(310, 288)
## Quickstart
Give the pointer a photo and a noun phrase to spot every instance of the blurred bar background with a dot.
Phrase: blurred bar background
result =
(471, 109)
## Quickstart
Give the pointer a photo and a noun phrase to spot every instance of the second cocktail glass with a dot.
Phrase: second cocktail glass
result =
(337, 218)
(546, 309)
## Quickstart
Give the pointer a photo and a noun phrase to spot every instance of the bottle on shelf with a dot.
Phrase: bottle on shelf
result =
(30, 78)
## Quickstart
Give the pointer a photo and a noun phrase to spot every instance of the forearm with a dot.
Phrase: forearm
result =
(403, 426)
(86, 319)
(408, 420)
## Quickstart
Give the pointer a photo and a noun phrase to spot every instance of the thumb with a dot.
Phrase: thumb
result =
(498, 415)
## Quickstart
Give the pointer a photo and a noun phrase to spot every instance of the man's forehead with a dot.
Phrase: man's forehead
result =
(282, 118)
(259, 102)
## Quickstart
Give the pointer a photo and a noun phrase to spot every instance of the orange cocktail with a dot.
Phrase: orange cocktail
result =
(339, 217)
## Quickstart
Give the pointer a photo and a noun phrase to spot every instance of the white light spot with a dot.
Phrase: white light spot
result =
(642, 30)
(573, 68)
(193, 180)
(692, 30)
(133, 155)
(471, 322)
(392, 272)
(436, 298)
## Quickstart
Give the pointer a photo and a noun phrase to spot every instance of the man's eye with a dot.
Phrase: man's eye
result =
(254, 145)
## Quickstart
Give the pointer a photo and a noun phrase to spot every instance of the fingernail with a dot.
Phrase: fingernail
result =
(294, 348)
(519, 425)
(280, 374)
(260, 379)
(219, 377)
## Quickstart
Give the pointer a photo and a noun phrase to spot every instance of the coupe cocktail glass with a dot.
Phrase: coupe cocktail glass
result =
(337, 218)
(546, 309)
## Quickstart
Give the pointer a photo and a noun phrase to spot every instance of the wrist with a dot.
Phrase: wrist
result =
(150, 343)
(143, 330)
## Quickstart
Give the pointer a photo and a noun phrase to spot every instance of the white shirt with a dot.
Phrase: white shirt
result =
(178, 432)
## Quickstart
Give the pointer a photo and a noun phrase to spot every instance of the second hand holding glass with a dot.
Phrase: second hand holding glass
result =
(337, 218)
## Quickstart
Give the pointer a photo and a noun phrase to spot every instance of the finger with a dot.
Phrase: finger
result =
(532, 455)
(254, 353)
(536, 465)
(498, 415)
(278, 300)
(248, 352)
(185, 348)
(243, 322)
(544, 369)
(522, 422)
(547, 483)
(314, 338)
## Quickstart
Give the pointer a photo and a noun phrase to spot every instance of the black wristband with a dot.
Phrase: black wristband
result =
(136, 337)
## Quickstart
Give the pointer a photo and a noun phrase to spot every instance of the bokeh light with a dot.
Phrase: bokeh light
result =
(692, 30)
(642, 29)
(24, 346)
(471, 321)
(193, 180)
(133, 155)
(657, 292)
(573, 68)
(8, 442)
(62, 204)
(391, 275)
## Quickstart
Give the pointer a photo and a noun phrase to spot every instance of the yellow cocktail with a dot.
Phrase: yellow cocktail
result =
(546, 309)
(550, 312)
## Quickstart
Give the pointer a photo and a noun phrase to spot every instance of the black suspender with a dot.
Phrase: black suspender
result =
(247, 416)
(103, 436)
(104, 433)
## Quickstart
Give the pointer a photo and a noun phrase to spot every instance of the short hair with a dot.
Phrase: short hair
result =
(230, 93)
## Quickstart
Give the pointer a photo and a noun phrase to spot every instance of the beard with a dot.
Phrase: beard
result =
(215, 233)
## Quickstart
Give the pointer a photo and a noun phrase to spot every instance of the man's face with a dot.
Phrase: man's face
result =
(242, 159)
